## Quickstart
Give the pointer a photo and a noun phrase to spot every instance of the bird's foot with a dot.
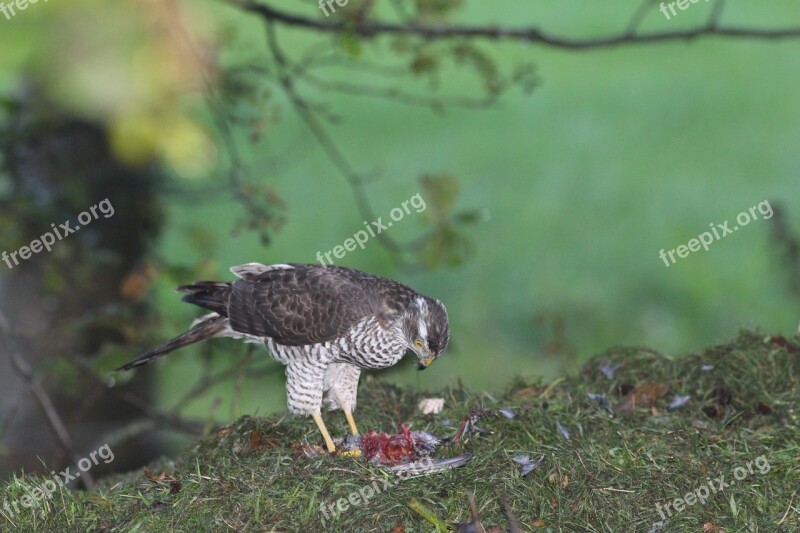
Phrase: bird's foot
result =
(350, 446)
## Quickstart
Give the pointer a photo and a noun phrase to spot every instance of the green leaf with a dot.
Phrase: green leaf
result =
(440, 194)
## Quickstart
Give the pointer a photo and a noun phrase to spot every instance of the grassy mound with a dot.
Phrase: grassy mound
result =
(728, 460)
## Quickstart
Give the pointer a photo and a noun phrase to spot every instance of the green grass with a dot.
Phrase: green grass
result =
(608, 477)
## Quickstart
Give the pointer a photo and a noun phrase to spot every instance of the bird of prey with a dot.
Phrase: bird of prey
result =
(324, 323)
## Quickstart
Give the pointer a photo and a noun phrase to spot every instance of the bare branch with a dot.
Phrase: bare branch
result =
(206, 382)
(369, 29)
(327, 59)
(171, 420)
(35, 384)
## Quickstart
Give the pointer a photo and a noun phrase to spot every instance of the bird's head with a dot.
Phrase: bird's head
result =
(426, 330)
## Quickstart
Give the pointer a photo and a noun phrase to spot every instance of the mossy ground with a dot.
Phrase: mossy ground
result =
(609, 476)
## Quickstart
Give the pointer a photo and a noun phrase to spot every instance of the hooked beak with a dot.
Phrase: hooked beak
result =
(425, 363)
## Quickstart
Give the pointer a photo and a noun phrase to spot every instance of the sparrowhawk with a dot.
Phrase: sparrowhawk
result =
(325, 323)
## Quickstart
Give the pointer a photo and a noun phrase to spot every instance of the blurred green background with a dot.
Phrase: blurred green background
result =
(616, 154)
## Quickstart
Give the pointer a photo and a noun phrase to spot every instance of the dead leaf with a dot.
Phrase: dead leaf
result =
(779, 341)
(529, 391)
(258, 443)
(305, 449)
(575, 504)
(174, 484)
(223, 432)
(137, 282)
(163, 476)
(560, 480)
(644, 395)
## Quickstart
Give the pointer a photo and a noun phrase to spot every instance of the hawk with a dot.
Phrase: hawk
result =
(324, 323)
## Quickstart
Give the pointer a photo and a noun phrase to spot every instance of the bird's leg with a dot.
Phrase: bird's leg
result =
(304, 387)
(350, 421)
(341, 380)
(325, 435)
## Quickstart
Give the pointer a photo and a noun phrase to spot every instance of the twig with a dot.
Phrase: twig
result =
(639, 16)
(513, 523)
(237, 171)
(354, 179)
(165, 419)
(474, 514)
(716, 13)
(210, 380)
(369, 29)
(389, 93)
(35, 384)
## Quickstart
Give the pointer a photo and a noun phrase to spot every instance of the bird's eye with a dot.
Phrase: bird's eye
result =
(418, 343)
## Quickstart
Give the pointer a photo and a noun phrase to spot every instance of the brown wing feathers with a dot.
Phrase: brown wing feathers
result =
(302, 305)
(207, 329)
(212, 295)
(293, 304)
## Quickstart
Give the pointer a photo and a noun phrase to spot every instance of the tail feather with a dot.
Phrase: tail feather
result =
(207, 329)
(212, 295)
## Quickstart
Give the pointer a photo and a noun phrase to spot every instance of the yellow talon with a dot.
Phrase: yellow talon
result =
(350, 453)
